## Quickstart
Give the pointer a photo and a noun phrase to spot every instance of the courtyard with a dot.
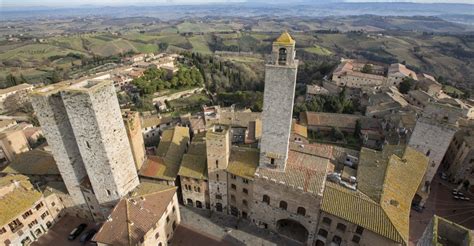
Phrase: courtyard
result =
(214, 228)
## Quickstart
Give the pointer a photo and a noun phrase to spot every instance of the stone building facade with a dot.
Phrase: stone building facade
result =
(26, 214)
(432, 136)
(459, 159)
(218, 143)
(280, 82)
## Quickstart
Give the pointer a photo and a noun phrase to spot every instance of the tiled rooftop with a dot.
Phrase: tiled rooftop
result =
(18, 199)
(34, 162)
(243, 162)
(134, 216)
(305, 172)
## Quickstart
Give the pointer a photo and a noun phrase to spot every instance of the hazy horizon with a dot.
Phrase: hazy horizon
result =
(73, 3)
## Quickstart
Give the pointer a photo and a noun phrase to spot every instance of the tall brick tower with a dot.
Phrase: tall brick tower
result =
(133, 126)
(278, 99)
(83, 124)
(218, 145)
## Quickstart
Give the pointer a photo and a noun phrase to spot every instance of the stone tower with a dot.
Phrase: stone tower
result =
(97, 123)
(218, 143)
(83, 124)
(51, 112)
(278, 99)
(133, 127)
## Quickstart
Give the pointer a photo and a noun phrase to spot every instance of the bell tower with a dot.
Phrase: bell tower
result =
(278, 99)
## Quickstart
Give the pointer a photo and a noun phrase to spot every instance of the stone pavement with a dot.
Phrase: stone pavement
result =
(228, 230)
(59, 233)
(441, 203)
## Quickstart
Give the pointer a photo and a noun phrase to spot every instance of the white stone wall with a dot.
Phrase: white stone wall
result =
(164, 229)
(54, 121)
(433, 140)
(280, 82)
(100, 134)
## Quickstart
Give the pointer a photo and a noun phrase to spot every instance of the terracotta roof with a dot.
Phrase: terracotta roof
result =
(316, 149)
(34, 162)
(194, 163)
(243, 162)
(299, 129)
(165, 165)
(134, 216)
(17, 198)
(285, 39)
(303, 171)
(319, 119)
(155, 120)
(156, 167)
(400, 68)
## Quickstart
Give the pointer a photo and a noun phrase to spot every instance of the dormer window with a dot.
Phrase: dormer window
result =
(282, 56)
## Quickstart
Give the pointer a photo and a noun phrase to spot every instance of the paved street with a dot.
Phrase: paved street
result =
(59, 233)
(441, 203)
(226, 230)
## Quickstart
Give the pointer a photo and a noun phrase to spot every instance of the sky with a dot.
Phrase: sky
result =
(61, 3)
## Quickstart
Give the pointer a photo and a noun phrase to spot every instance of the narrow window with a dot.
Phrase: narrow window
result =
(283, 205)
(266, 199)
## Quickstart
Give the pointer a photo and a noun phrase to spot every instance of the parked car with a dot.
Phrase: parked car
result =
(86, 237)
(465, 198)
(76, 232)
(444, 176)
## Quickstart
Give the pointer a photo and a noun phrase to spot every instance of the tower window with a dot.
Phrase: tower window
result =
(282, 54)
(217, 163)
(108, 192)
(272, 161)
(266, 199)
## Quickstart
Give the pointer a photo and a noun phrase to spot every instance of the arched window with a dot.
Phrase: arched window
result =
(322, 233)
(283, 205)
(301, 211)
(190, 202)
(198, 204)
(266, 199)
(282, 54)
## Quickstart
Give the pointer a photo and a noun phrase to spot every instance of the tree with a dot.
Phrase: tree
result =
(406, 85)
(55, 78)
(11, 80)
(357, 129)
(367, 68)
(337, 134)
(163, 46)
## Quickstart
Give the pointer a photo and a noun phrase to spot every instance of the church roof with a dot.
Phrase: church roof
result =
(285, 39)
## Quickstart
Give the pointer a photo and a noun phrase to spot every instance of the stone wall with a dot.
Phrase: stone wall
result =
(218, 152)
(268, 215)
(240, 202)
(133, 128)
(196, 195)
(277, 114)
